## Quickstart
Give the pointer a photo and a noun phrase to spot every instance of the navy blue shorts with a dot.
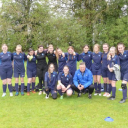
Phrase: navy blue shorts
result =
(21, 74)
(105, 73)
(124, 76)
(31, 73)
(6, 73)
(96, 72)
(112, 76)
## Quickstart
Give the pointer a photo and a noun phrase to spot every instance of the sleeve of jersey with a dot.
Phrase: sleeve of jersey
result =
(66, 56)
(118, 60)
(25, 57)
(78, 57)
(11, 56)
(56, 77)
(101, 55)
(46, 76)
(70, 82)
(59, 76)
(75, 80)
(90, 80)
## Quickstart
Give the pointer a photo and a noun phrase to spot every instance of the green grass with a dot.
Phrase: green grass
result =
(35, 111)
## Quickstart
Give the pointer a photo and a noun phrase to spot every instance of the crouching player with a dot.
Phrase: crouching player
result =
(83, 80)
(51, 82)
(64, 82)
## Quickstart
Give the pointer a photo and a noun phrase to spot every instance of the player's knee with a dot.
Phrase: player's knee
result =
(58, 87)
(91, 86)
(69, 92)
(123, 86)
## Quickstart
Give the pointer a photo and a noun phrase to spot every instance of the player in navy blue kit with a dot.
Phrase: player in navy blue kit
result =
(105, 71)
(123, 56)
(42, 66)
(51, 54)
(72, 58)
(51, 82)
(6, 69)
(31, 70)
(112, 60)
(61, 59)
(86, 57)
(96, 68)
(65, 81)
(19, 70)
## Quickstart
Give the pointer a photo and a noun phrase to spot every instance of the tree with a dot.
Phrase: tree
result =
(18, 20)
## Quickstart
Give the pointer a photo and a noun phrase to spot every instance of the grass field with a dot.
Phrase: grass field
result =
(35, 111)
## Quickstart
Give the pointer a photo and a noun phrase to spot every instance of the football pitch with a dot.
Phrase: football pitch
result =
(35, 111)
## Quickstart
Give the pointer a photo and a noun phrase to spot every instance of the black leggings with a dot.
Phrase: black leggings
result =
(90, 88)
(41, 80)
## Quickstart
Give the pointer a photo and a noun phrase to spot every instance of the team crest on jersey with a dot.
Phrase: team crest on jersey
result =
(89, 55)
(99, 55)
(20, 56)
(67, 78)
(53, 75)
(42, 54)
(8, 55)
(125, 55)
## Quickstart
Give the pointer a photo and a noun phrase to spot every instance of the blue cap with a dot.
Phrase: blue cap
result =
(108, 119)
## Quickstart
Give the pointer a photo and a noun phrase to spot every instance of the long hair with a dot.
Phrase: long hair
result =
(49, 73)
(57, 55)
(118, 45)
(109, 56)
(72, 49)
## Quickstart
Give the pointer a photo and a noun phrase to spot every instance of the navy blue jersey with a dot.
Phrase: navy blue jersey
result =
(97, 59)
(123, 62)
(6, 59)
(113, 61)
(72, 61)
(61, 63)
(31, 64)
(87, 58)
(104, 61)
(0, 67)
(19, 62)
(51, 82)
(65, 80)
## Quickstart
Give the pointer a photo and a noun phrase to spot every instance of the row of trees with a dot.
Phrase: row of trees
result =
(63, 23)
